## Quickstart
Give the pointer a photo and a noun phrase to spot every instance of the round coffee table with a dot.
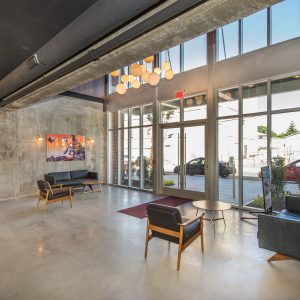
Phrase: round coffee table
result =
(212, 206)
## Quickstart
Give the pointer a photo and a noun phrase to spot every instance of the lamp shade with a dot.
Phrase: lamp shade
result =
(136, 84)
(136, 70)
(145, 76)
(121, 88)
(149, 59)
(130, 78)
(169, 75)
(115, 73)
(143, 68)
(166, 66)
(153, 79)
(124, 78)
(157, 70)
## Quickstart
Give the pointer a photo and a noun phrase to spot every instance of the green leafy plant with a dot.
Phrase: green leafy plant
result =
(278, 175)
(168, 182)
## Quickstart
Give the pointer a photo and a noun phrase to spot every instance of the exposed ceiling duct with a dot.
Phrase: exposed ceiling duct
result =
(98, 21)
(135, 41)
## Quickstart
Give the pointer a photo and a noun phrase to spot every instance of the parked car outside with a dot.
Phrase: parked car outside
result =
(197, 167)
(292, 171)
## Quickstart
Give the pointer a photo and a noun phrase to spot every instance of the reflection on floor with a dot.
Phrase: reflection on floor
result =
(93, 252)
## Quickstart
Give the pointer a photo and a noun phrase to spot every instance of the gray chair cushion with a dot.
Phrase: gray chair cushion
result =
(58, 194)
(293, 204)
(190, 230)
(169, 217)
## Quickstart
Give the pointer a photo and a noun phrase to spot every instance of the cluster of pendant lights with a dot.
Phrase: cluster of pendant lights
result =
(137, 70)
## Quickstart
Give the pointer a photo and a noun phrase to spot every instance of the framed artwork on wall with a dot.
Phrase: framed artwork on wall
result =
(65, 147)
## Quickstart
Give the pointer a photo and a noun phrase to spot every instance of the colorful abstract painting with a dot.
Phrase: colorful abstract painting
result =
(65, 147)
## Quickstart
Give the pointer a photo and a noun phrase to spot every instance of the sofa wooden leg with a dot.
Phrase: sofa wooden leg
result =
(278, 257)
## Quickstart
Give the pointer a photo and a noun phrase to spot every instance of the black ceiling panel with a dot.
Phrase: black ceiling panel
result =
(26, 25)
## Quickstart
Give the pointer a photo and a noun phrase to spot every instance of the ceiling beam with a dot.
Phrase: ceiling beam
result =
(85, 97)
(201, 19)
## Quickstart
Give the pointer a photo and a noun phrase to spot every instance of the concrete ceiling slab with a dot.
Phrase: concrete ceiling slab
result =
(202, 19)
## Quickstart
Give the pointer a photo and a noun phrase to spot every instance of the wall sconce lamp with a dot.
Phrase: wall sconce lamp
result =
(39, 138)
(91, 140)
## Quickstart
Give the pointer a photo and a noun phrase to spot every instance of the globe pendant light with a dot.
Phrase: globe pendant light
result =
(153, 79)
(157, 70)
(136, 70)
(121, 88)
(144, 70)
(169, 75)
(124, 78)
(166, 65)
(149, 59)
(136, 84)
(130, 78)
(115, 73)
(145, 76)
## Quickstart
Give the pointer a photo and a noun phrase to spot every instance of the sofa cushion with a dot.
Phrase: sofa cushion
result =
(79, 174)
(61, 175)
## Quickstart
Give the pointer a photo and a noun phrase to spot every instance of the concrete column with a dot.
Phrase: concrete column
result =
(211, 132)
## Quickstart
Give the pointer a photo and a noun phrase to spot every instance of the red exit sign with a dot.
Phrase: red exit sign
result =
(179, 94)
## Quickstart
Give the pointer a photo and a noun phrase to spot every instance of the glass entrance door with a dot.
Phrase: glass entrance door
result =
(183, 160)
(171, 158)
(194, 158)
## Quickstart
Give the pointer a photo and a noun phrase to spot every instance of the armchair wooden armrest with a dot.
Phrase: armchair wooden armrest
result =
(192, 220)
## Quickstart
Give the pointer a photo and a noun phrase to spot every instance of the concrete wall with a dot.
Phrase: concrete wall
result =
(23, 158)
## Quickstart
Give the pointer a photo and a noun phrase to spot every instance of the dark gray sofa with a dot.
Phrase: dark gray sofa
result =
(71, 178)
(281, 233)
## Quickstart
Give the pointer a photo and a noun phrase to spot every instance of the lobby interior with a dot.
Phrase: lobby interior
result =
(206, 92)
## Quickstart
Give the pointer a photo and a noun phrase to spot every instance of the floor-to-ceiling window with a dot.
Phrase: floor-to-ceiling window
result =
(228, 144)
(131, 154)
(259, 125)
(269, 26)
(285, 138)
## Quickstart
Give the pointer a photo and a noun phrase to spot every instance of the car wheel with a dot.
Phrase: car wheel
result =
(224, 173)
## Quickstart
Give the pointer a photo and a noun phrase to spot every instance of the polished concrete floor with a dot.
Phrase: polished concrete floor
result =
(93, 252)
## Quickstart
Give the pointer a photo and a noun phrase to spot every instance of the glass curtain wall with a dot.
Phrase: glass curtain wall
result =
(285, 139)
(251, 33)
(262, 129)
(131, 152)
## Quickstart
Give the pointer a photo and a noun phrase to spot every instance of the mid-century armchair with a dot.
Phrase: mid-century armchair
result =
(53, 193)
(166, 223)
